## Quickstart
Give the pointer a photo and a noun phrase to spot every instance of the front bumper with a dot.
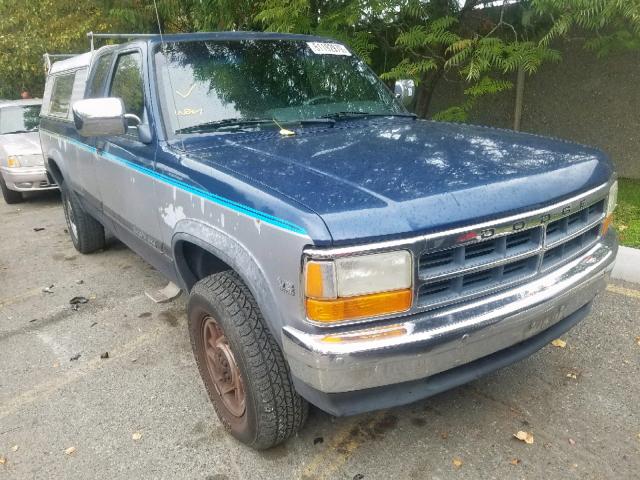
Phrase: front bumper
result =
(27, 179)
(427, 344)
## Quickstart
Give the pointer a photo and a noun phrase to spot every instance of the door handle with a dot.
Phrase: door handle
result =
(100, 144)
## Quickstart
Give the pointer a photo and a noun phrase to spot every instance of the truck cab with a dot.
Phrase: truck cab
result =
(335, 249)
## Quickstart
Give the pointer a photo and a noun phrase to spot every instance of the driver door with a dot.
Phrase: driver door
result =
(125, 164)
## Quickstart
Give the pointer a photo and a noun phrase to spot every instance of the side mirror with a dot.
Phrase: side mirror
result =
(100, 117)
(404, 91)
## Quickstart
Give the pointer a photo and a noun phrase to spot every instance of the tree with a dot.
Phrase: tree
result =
(29, 29)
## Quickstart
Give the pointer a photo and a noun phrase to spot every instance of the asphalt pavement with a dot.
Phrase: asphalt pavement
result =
(67, 413)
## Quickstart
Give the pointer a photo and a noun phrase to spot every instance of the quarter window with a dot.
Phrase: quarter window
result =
(127, 83)
(61, 96)
(96, 87)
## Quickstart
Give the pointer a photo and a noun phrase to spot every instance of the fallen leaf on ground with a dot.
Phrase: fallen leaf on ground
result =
(444, 435)
(622, 228)
(2, 460)
(572, 441)
(638, 340)
(559, 343)
(457, 463)
(70, 451)
(78, 300)
(136, 436)
(572, 375)
(15, 448)
(525, 437)
(514, 461)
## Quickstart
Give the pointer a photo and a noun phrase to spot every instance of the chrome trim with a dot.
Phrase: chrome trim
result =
(432, 342)
(458, 237)
(531, 219)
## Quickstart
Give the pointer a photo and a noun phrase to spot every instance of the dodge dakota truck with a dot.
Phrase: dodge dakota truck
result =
(335, 249)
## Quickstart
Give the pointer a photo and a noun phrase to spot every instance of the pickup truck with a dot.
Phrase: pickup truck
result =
(336, 250)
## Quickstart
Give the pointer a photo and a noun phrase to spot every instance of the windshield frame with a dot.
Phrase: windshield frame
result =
(164, 103)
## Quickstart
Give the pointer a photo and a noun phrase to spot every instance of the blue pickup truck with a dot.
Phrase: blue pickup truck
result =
(335, 249)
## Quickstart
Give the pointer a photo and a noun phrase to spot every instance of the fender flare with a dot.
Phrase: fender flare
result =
(234, 254)
(56, 156)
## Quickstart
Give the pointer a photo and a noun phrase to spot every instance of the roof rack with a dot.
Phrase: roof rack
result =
(48, 56)
(124, 36)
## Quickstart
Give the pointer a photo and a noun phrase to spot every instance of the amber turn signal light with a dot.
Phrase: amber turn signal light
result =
(353, 308)
(606, 224)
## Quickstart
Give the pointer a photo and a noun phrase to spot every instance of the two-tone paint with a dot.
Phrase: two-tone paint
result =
(261, 203)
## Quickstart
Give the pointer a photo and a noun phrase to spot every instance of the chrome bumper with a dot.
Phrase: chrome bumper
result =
(422, 345)
(26, 179)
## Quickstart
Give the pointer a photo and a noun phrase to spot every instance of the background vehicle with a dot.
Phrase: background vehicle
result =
(335, 249)
(21, 161)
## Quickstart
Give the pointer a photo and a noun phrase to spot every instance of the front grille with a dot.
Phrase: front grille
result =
(480, 267)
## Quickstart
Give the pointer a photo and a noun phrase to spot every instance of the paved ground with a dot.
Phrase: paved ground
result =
(580, 402)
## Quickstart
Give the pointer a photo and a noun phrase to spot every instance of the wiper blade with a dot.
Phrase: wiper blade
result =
(19, 131)
(313, 121)
(346, 115)
(226, 123)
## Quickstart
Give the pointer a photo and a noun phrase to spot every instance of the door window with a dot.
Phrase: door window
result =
(127, 83)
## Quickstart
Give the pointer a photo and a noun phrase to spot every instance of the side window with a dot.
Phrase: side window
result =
(95, 89)
(127, 83)
(61, 96)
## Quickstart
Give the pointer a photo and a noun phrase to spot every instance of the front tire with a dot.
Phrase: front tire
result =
(87, 234)
(10, 196)
(241, 364)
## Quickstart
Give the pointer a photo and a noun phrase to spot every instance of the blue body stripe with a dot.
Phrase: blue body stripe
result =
(238, 207)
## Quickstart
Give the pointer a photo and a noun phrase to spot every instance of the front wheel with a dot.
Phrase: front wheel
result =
(241, 364)
(10, 196)
(87, 234)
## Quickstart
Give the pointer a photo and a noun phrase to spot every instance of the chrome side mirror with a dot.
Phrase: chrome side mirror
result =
(405, 91)
(100, 117)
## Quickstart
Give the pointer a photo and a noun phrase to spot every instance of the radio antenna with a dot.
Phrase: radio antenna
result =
(162, 42)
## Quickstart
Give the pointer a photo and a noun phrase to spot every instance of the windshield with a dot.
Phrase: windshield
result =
(19, 119)
(218, 82)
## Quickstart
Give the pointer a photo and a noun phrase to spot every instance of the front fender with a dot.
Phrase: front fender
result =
(234, 254)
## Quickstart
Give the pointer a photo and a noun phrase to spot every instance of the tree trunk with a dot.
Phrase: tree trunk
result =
(517, 117)
(425, 90)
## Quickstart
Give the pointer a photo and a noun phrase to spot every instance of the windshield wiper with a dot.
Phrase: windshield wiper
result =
(226, 123)
(313, 121)
(347, 115)
(20, 131)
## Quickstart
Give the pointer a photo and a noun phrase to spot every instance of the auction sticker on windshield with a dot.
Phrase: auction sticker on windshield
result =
(324, 48)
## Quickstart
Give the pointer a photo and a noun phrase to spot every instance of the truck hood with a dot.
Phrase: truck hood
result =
(21, 143)
(382, 178)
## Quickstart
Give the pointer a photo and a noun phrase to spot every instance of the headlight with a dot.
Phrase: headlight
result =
(612, 201)
(351, 288)
(12, 161)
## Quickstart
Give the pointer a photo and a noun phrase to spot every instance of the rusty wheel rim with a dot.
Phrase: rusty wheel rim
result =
(222, 367)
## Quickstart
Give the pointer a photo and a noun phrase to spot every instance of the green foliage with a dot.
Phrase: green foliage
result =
(426, 40)
(618, 19)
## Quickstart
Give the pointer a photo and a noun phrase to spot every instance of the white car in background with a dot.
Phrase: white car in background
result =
(21, 161)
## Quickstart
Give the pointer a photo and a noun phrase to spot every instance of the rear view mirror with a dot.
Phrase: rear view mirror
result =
(100, 117)
(405, 90)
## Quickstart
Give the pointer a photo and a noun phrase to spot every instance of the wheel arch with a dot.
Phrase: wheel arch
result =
(200, 250)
